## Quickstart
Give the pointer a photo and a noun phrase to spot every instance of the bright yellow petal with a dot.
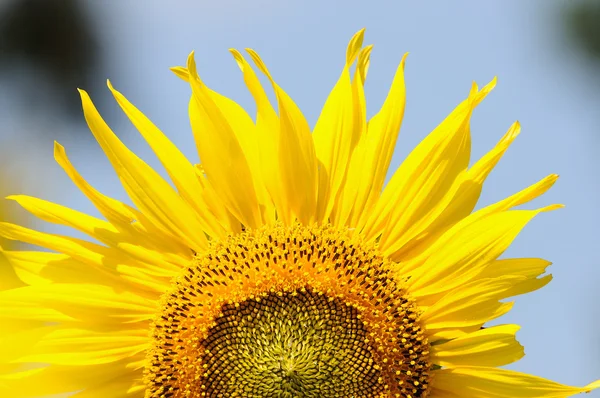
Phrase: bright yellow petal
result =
(150, 193)
(494, 346)
(521, 197)
(83, 347)
(297, 159)
(180, 170)
(531, 268)
(123, 386)
(101, 231)
(248, 137)
(107, 263)
(352, 188)
(469, 307)
(426, 176)
(8, 277)
(57, 379)
(376, 149)
(482, 382)
(335, 134)
(464, 251)
(125, 218)
(221, 154)
(457, 204)
(93, 304)
(16, 345)
(267, 134)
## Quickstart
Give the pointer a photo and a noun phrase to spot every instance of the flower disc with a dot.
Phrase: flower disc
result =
(288, 312)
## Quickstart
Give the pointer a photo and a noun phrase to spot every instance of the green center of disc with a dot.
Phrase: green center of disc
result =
(294, 344)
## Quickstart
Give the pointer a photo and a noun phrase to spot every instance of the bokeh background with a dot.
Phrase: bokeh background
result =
(546, 54)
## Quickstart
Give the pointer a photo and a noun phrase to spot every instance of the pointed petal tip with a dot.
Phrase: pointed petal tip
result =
(251, 52)
(258, 62)
(58, 150)
(358, 36)
(181, 72)
(552, 207)
(354, 46)
(403, 61)
(366, 50)
(191, 62)
(238, 57)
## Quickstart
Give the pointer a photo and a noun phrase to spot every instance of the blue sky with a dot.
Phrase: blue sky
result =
(543, 83)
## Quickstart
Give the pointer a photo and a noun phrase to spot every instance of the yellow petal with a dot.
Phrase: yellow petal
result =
(123, 386)
(30, 267)
(103, 232)
(377, 148)
(57, 379)
(521, 197)
(222, 156)
(125, 218)
(57, 214)
(245, 131)
(468, 307)
(39, 268)
(18, 344)
(494, 346)
(457, 204)
(150, 193)
(93, 304)
(248, 139)
(8, 277)
(180, 170)
(83, 347)
(480, 170)
(346, 203)
(465, 250)
(267, 134)
(335, 134)
(483, 382)
(426, 176)
(31, 314)
(297, 159)
(531, 268)
(528, 267)
(104, 262)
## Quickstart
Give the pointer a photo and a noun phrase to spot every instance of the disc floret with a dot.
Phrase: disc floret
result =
(289, 311)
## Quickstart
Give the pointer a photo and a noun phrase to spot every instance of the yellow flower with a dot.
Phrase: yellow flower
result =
(280, 267)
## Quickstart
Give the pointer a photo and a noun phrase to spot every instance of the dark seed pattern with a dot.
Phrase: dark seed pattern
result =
(299, 344)
(288, 312)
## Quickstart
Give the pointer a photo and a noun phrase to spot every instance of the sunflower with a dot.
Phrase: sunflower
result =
(281, 266)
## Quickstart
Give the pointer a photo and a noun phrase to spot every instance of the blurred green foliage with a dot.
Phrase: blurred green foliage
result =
(583, 24)
(57, 38)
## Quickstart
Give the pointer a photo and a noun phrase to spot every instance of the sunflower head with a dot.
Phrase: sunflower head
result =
(289, 311)
(282, 265)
